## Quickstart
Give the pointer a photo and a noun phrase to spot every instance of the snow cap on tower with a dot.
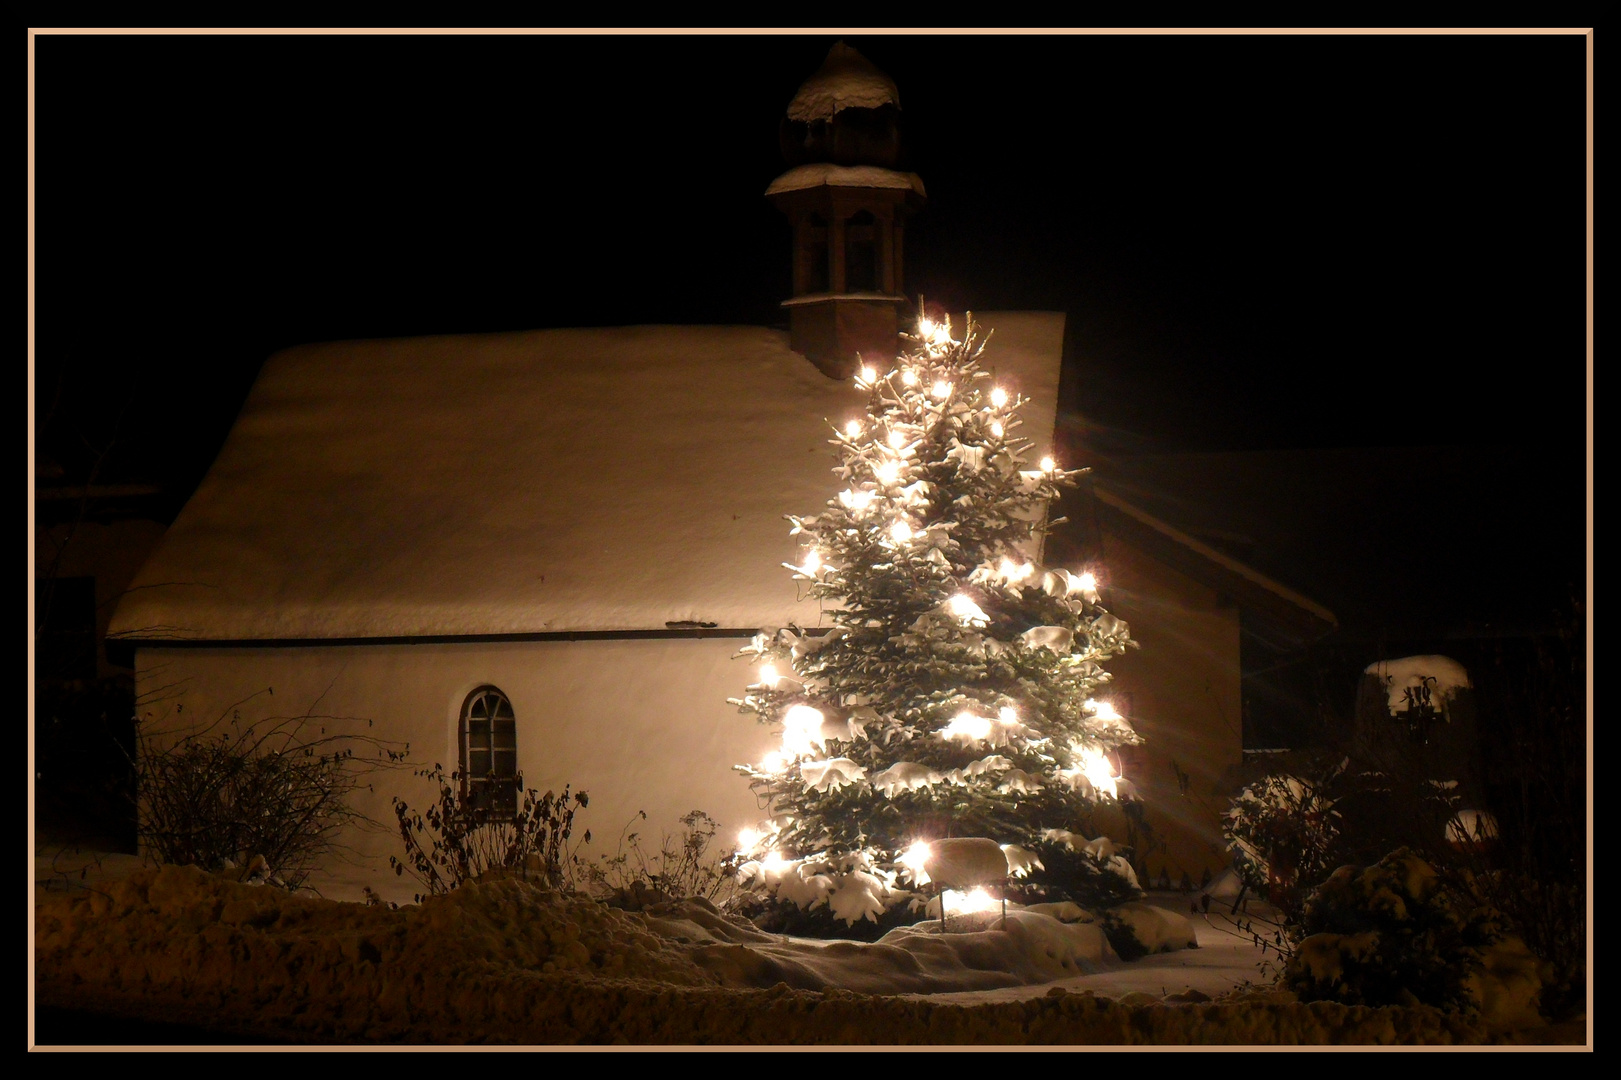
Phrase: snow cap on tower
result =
(846, 80)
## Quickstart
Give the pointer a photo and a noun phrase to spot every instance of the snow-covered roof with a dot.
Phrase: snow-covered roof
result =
(1217, 558)
(548, 481)
(846, 80)
(822, 173)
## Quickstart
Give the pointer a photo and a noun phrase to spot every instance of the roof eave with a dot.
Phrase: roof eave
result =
(1259, 596)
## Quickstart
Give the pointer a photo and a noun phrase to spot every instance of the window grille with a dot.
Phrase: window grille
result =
(489, 753)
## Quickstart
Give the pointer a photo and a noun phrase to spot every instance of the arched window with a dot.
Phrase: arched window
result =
(489, 753)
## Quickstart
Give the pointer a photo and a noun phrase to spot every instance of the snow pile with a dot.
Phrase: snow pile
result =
(506, 962)
(980, 952)
(1156, 929)
(1508, 985)
(1443, 675)
(1224, 886)
(183, 930)
(255, 936)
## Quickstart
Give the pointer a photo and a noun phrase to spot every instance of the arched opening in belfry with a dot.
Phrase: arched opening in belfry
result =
(861, 252)
(814, 254)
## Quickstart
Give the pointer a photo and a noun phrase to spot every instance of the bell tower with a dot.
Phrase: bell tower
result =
(846, 201)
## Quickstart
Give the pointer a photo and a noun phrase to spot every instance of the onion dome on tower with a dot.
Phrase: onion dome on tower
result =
(847, 202)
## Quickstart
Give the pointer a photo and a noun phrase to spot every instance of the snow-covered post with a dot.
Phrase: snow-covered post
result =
(1416, 721)
(962, 863)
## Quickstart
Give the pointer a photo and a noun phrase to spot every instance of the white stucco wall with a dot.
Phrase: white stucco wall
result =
(639, 725)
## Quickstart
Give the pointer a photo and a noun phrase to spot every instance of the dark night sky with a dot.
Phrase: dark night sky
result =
(1261, 242)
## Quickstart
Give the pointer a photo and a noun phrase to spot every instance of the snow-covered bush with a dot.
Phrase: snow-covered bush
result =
(1093, 874)
(453, 842)
(824, 896)
(1479, 764)
(1282, 831)
(1391, 934)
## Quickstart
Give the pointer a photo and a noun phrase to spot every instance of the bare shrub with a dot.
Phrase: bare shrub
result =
(1283, 830)
(232, 792)
(681, 868)
(456, 841)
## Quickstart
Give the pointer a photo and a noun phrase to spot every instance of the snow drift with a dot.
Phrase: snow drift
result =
(505, 962)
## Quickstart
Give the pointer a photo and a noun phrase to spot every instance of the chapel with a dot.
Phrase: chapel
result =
(532, 606)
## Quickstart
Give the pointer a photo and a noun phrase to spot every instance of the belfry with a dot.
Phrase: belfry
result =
(847, 202)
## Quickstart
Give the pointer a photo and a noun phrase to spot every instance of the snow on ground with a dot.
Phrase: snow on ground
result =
(506, 962)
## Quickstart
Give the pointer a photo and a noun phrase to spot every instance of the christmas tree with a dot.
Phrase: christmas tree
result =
(953, 694)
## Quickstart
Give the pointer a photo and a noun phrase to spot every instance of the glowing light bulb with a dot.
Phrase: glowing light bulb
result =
(869, 374)
(774, 864)
(970, 903)
(966, 610)
(926, 328)
(853, 428)
(1104, 711)
(856, 500)
(1095, 767)
(1088, 582)
(1048, 464)
(942, 334)
(813, 562)
(774, 762)
(897, 440)
(1015, 571)
(888, 472)
(941, 390)
(998, 397)
(909, 377)
(916, 859)
(801, 730)
(1008, 714)
(996, 428)
(901, 531)
(965, 725)
(748, 838)
(768, 675)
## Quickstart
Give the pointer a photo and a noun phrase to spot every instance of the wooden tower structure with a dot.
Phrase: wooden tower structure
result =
(847, 200)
